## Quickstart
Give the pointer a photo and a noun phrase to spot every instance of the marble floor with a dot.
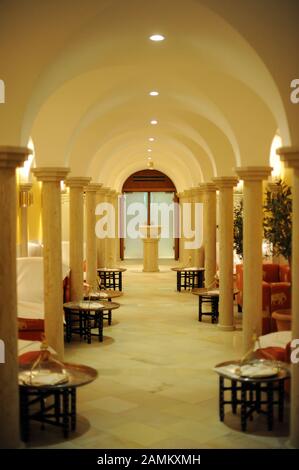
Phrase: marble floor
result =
(156, 387)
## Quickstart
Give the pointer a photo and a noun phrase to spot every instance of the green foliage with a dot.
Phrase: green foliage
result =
(238, 228)
(278, 220)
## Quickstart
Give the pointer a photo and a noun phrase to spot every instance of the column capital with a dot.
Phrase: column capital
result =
(111, 193)
(103, 191)
(197, 191)
(183, 195)
(208, 187)
(25, 187)
(223, 182)
(253, 173)
(188, 193)
(50, 174)
(77, 182)
(12, 157)
(290, 156)
(93, 187)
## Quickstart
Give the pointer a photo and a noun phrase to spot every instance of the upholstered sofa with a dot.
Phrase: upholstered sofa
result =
(276, 287)
(30, 290)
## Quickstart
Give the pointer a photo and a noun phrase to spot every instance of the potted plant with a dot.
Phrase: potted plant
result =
(278, 220)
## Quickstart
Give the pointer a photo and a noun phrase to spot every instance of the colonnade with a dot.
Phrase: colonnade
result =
(253, 178)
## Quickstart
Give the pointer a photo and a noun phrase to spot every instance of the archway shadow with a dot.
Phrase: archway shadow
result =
(258, 425)
(53, 436)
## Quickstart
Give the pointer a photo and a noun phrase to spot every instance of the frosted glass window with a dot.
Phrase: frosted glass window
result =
(166, 245)
(134, 247)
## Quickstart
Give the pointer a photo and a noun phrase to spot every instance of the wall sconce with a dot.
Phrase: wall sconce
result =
(25, 195)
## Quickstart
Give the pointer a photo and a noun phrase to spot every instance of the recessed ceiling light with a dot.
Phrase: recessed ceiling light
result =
(157, 37)
(151, 139)
(154, 93)
(154, 122)
(149, 158)
(149, 150)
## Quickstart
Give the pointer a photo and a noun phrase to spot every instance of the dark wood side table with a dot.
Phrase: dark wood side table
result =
(211, 297)
(189, 278)
(53, 404)
(83, 316)
(102, 296)
(258, 395)
(111, 278)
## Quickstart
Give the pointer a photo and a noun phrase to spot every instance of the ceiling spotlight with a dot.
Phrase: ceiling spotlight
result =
(154, 122)
(154, 93)
(149, 150)
(157, 37)
(151, 139)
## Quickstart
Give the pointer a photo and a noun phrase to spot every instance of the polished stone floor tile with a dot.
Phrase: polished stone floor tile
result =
(156, 387)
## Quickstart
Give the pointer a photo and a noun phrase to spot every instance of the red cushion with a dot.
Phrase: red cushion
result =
(270, 272)
(272, 353)
(28, 357)
(285, 273)
(31, 329)
(30, 324)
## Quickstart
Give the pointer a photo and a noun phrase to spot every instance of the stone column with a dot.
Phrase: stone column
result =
(186, 254)
(101, 198)
(290, 155)
(117, 237)
(225, 185)
(198, 252)
(91, 240)
(10, 158)
(51, 221)
(110, 241)
(25, 202)
(76, 185)
(252, 246)
(209, 231)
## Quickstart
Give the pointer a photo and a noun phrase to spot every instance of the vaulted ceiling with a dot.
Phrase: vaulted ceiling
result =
(78, 76)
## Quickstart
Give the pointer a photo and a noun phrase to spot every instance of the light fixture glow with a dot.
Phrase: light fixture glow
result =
(275, 158)
(154, 122)
(157, 37)
(151, 139)
(149, 150)
(154, 93)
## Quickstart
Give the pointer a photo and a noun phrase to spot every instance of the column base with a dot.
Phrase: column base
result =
(151, 270)
(226, 327)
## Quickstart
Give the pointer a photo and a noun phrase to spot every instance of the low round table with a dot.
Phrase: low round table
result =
(53, 404)
(111, 278)
(81, 317)
(210, 296)
(104, 295)
(252, 393)
(189, 278)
